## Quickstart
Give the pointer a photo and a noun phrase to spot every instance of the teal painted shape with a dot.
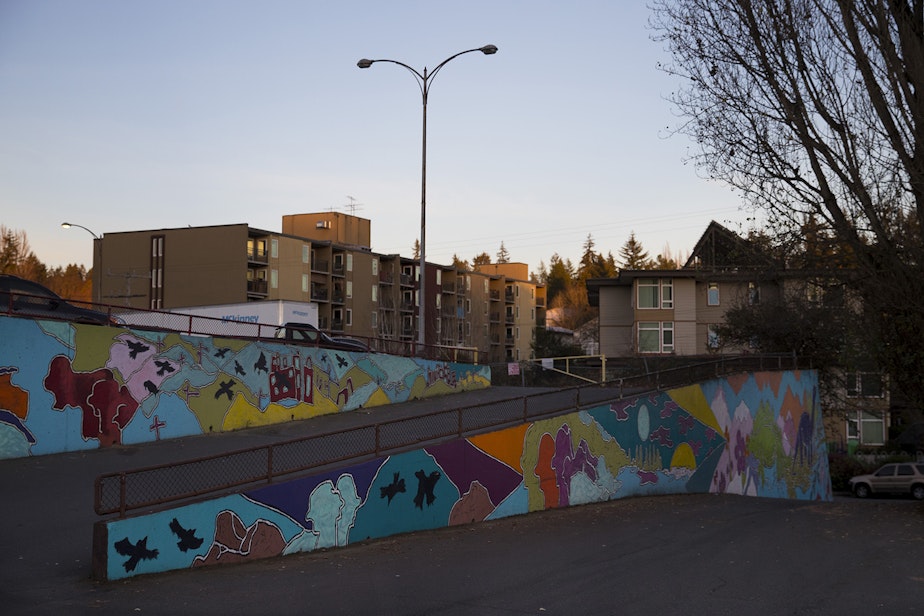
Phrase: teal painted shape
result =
(516, 503)
(155, 530)
(411, 510)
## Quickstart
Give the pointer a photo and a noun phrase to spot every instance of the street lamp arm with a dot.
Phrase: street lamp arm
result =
(487, 50)
(68, 225)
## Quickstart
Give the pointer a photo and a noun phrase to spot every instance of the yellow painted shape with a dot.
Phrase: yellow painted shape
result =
(378, 398)
(692, 400)
(243, 414)
(683, 457)
(505, 445)
(91, 346)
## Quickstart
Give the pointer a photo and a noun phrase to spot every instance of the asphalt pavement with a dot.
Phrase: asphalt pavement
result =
(703, 554)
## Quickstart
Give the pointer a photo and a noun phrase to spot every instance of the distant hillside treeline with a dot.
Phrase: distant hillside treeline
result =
(70, 282)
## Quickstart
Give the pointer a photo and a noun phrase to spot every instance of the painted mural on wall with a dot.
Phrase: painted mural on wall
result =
(753, 434)
(69, 387)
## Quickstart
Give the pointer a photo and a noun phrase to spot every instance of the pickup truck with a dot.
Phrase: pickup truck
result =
(305, 333)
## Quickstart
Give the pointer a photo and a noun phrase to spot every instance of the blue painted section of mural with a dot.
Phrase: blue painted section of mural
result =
(70, 387)
(752, 434)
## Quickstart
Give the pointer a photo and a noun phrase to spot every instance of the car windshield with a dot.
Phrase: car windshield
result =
(885, 471)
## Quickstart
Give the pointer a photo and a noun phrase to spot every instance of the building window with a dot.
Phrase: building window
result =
(349, 261)
(349, 316)
(305, 283)
(712, 294)
(349, 289)
(468, 306)
(864, 385)
(157, 272)
(375, 267)
(374, 321)
(866, 428)
(655, 337)
(274, 248)
(655, 293)
(306, 254)
(274, 279)
(375, 292)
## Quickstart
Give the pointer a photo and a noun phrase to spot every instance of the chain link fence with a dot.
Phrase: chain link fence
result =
(118, 493)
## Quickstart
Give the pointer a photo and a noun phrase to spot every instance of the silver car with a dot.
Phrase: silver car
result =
(896, 478)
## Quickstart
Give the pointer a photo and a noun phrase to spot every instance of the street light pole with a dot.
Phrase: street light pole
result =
(423, 81)
(97, 241)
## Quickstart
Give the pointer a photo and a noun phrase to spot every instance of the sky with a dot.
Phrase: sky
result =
(122, 115)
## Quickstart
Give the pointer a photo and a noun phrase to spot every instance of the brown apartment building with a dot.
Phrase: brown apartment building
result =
(324, 258)
(675, 313)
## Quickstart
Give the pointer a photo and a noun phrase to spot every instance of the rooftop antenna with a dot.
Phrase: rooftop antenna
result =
(353, 206)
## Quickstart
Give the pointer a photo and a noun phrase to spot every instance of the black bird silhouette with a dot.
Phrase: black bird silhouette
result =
(260, 364)
(282, 382)
(396, 485)
(150, 386)
(188, 539)
(238, 368)
(220, 353)
(135, 552)
(341, 362)
(163, 366)
(225, 389)
(136, 347)
(425, 485)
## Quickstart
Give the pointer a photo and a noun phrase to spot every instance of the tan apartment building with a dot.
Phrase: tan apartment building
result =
(324, 258)
(675, 312)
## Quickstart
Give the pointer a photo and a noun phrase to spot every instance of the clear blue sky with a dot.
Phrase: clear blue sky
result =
(127, 114)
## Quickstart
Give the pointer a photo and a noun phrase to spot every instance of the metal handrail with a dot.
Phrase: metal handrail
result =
(266, 463)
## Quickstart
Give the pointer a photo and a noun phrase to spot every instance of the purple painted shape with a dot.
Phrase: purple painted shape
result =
(567, 462)
(463, 463)
(291, 497)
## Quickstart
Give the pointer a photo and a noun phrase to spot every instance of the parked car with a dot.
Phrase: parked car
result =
(352, 344)
(21, 297)
(896, 478)
(305, 333)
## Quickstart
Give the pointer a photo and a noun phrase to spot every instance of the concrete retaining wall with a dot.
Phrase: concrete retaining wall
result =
(751, 434)
(70, 387)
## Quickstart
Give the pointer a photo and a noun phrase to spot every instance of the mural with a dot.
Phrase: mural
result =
(751, 434)
(69, 387)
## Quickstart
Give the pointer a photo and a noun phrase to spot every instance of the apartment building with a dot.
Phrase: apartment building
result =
(675, 312)
(324, 258)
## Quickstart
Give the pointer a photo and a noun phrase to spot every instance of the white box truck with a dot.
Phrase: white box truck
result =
(250, 319)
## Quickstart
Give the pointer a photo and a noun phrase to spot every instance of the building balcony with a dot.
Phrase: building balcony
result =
(257, 256)
(257, 287)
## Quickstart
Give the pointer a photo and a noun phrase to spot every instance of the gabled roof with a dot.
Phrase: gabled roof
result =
(716, 249)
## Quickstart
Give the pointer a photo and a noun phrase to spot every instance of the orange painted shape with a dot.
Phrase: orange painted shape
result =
(504, 445)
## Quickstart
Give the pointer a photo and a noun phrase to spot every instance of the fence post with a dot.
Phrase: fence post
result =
(122, 495)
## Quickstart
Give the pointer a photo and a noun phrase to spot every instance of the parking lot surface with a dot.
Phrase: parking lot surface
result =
(704, 554)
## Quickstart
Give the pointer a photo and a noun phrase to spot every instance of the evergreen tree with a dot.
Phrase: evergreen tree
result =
(460, 264)
(593, 265)
(482, 259)
(502, 255)
(560, 277)
(633, 255)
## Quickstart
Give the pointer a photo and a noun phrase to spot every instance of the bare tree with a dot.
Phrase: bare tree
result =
(815, 109)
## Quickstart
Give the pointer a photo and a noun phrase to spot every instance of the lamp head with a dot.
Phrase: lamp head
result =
(364, 63)
(489, 50)
(65, 225)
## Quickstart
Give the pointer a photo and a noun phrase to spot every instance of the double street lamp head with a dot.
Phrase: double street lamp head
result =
(488, 50)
